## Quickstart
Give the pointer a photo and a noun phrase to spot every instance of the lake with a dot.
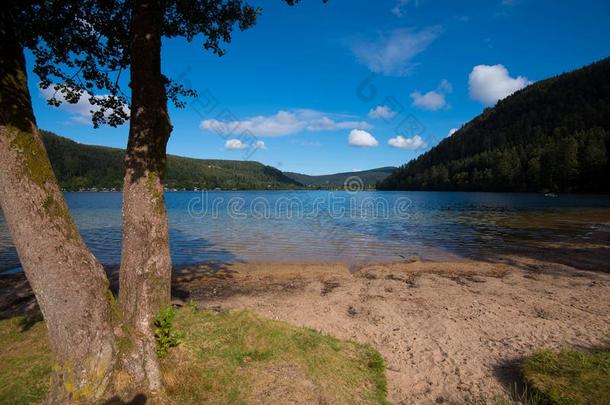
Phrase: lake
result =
(360, 227)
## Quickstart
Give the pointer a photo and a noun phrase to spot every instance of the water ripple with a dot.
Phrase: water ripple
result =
(436, 226)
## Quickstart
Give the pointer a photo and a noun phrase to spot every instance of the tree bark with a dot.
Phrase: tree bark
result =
(69, 283)
(145, 273)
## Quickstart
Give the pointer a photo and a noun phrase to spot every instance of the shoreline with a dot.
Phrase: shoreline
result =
(543, 193)
(449, 331)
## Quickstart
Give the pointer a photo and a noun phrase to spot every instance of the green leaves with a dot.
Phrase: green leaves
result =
(165, 334)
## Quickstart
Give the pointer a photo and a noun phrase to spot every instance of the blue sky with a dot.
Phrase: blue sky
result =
(356, 84)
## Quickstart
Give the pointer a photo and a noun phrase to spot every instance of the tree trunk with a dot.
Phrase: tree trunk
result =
(145, 273)
(70, 285)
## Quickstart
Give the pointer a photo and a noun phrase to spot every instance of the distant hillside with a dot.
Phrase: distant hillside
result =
(79, 166)
(369, 178)
(551, 136)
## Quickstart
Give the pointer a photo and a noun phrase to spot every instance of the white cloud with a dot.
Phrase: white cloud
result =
(488, 84)
(259, 145)
(382, 111)
(391, 54)
(434, 99)
(401, 142)
(328, 124)
(451, 132)
(80, 112)
(283, 123)
(431, 100)
(235, 144)
(362, 139)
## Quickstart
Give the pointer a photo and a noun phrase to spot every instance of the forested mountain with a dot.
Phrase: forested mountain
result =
(79, 166)
(369, 178)
(553, 135)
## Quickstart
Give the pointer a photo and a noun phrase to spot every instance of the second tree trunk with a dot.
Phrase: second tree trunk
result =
(145, 262)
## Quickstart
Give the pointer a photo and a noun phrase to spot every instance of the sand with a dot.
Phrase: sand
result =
(449, 332)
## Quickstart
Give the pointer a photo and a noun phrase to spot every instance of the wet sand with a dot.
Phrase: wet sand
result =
(450, 332)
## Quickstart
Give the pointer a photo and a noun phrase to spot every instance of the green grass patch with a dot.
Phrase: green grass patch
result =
(25, 361)
(569, 377)
(239, 357)
(232, 357)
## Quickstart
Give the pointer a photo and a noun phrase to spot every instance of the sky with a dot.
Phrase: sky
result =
(354, 84)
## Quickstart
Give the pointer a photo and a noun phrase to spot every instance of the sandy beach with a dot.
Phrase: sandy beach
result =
(450, 332)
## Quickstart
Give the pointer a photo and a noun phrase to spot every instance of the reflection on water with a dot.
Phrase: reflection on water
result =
(333, 226)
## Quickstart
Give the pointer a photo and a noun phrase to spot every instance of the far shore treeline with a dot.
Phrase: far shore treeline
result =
(553, 136)
(86, 167)
(79, 166)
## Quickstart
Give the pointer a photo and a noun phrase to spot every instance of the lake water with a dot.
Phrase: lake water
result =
(314, 226)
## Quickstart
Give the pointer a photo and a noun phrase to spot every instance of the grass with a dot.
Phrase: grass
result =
(238, 357)
(232, 357)
(25, 361)
(563, 377)
(569, 377)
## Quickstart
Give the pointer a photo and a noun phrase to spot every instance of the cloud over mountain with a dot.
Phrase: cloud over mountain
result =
(401, 142)
(488, 84)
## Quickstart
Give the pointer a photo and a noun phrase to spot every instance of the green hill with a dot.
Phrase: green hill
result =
(337, 180)
(79, 166)
(553, 135)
